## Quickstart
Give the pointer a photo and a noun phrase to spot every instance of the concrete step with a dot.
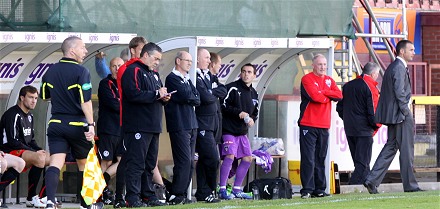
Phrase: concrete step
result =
(386, 188)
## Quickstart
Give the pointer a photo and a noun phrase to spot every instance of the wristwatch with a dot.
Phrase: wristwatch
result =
(91, 124)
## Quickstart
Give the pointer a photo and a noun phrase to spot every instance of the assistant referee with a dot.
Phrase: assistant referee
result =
(67, 85)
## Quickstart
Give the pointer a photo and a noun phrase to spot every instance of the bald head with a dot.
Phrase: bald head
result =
(73, 47)
(115, 64)
(203, 59)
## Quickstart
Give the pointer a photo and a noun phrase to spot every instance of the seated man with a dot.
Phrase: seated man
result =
(18, 125)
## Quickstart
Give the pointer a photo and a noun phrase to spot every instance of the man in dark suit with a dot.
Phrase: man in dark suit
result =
(182, 126)
(393, 111)
(360, 98)
(206, 146)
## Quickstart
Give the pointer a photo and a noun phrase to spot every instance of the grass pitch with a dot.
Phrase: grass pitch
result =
(424, 200)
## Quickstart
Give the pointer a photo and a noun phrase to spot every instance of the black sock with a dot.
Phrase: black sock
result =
(106, 177)
(33, 179)
(43, 188)
(120, 179)
(7, 177)
(52, 179)
(80, 182)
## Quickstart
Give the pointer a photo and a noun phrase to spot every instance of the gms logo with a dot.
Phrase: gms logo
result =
(114, 38)
(10, 70)
(227, 68)
(27, 131)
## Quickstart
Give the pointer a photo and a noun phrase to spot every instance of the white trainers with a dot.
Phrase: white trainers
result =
(42, 203)
(50, 205)
(31, 203)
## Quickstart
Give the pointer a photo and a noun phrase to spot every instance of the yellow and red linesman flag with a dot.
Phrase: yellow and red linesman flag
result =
(93, 180)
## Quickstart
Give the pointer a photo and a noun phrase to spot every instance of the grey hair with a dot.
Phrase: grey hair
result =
(69, 43)
(370, 68)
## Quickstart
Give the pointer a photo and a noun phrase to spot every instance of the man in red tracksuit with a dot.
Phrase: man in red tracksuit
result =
(317, 92)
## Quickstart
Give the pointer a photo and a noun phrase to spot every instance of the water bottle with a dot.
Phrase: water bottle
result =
(276, 192)
(247, 119)
(255, 193)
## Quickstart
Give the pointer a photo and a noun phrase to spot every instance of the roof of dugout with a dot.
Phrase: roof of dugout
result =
(267, 54)
(21, 54)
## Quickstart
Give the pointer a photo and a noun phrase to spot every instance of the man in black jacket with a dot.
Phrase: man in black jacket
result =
(356, 109)
(206, 146)
(109, 131)
(181, 125)
(240, 110)
(142, 101)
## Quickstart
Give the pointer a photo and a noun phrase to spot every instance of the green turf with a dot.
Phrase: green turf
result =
(422, 200)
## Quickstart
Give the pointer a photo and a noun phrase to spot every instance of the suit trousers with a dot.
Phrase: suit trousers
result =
(183, 144)
(360, 149)
(400, 137)
(313, 143)
(207, 165)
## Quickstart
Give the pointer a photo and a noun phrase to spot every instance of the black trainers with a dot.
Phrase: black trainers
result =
(306, 195)
(322, 194)
(177, 200)
(107, 197)
(137, 204)
(160, 191)
(156, 202)
(98, 205)
(120, 203)
(211, 199)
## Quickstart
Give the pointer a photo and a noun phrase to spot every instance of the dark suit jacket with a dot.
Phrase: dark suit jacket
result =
(395, 95)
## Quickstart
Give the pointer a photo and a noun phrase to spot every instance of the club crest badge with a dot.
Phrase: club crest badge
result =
(328, 82)
(137, 136)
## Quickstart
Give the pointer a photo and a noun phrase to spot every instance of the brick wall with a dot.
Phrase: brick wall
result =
(431, 46)
(431, 54)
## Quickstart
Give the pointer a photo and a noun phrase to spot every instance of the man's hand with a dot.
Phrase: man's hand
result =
(251, 122)
(90, 135)
(166, 98)
(41, 151)
(100, 55)
(242, 115)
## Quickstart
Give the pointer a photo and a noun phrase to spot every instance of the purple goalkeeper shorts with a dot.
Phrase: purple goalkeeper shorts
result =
(235, 145)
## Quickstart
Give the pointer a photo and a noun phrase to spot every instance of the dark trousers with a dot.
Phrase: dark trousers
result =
(313, 143)
(207, 165)
(400, 137)
(141, 159)
(360, 149)
(183, 147)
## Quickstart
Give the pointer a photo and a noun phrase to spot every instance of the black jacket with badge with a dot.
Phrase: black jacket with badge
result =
(210, 92)
(108, 95)
(179, 111)
(141, 109)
